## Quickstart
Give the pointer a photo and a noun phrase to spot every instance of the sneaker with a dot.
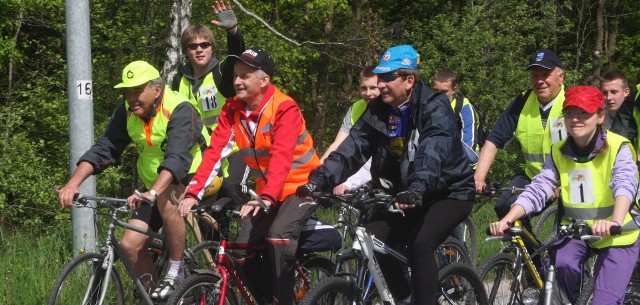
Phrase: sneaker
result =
(166, 287)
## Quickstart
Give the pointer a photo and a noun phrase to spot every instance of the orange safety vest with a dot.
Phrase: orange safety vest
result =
(256, 149)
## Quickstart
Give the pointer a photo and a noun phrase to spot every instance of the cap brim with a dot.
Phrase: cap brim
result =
(244, 61)
(383, 69)
(539, 65)
(130, 84)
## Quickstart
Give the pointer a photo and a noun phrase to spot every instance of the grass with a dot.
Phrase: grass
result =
(30, 262)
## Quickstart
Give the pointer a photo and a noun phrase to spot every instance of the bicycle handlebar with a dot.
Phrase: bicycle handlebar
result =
(257, 198)
(576, 230)
(83, 200)
(361, 199)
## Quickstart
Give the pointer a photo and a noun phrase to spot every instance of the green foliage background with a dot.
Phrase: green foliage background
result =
(486, 42)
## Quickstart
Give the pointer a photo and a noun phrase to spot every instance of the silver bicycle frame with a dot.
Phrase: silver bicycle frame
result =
(368, 244)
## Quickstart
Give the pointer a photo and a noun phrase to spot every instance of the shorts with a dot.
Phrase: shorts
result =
(151, 215)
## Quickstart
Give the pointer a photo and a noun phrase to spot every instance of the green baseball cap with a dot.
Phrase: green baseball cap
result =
(137, 73)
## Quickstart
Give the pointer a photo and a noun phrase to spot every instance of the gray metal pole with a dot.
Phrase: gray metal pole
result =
(80, 93)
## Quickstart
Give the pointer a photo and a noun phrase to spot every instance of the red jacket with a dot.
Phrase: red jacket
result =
(288, 126)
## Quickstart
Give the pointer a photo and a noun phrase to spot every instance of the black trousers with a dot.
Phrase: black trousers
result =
(271, 274)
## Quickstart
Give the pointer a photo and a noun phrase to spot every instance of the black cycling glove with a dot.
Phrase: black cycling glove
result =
(410, 196)
(306, 190)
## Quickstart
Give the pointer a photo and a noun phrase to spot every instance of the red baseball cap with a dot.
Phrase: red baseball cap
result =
(587, 98)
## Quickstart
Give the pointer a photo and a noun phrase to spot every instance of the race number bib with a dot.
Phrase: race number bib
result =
(581, 186)
(209, 98)
(558, 130)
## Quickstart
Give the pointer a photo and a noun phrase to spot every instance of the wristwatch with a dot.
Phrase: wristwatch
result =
(154, 194)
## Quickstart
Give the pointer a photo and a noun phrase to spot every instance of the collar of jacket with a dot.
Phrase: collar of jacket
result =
(188, 72)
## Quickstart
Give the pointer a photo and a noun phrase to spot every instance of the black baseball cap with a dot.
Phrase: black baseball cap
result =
(257, 58)
(546, 59)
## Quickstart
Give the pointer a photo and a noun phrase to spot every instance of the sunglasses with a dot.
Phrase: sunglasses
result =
(571, 113)
(203, 45)
(389, 77)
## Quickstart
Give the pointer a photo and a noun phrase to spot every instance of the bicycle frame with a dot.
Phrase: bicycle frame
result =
(113, 249)
(367, 244)
(522, 255)
(551, 292)
(225, 268)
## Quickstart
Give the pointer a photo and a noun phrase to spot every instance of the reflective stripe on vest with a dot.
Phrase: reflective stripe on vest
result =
(208, 100)
(150, 138)
(357, 109)
(257, 154)
(534, 140)
(585, 190)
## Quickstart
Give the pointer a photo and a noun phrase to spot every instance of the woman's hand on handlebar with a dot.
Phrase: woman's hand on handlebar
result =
(185, 205)
(497, 228)
(602, 227)
(254, 206)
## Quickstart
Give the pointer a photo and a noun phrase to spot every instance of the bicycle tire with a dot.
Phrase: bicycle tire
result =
(79, 272)
(454, 251)
(470, 239)
(316, 268)
(333, 290)
(203, 288)
(631, 297)
(545, 223)
(586, 295)
(497, 270)
(194, 259)
(460, 284)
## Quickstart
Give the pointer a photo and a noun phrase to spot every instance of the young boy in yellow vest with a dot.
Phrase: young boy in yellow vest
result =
(368, 90)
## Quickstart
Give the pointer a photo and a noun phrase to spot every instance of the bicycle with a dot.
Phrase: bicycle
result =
(514, 266)
(213, 286)
(458, 281)
(96, 269)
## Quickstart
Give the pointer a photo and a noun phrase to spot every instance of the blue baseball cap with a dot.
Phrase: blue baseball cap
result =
(398, 57)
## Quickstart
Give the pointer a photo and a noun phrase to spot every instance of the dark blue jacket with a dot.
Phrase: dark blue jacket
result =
(434, 161)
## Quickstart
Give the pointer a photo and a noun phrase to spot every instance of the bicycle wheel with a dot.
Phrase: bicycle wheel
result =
(452, 250)
(334, 291)
(586, 295)
(545, 224)
(196, 258)
(315, 268)
(466, 233)
(631, 297)
(498, 278)
(81, 280)
(459, 284)
(202, 289)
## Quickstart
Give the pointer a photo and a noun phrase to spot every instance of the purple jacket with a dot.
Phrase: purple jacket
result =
(624, 181)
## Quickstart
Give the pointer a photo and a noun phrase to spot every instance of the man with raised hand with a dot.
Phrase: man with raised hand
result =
(208, 81)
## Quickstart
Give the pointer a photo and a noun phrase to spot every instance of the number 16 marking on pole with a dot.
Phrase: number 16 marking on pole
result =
(84, 90)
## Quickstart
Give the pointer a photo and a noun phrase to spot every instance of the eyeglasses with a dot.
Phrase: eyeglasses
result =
(203, 45)
(571, 113)
(389, 77)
